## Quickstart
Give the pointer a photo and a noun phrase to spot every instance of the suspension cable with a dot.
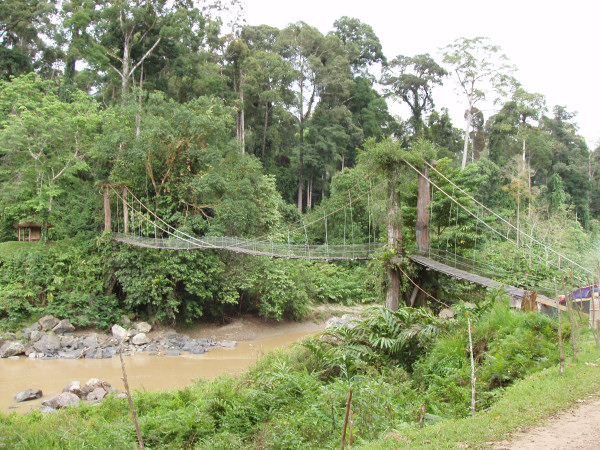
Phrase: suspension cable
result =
(499, 216)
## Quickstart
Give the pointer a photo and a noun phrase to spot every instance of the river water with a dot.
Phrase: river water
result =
(144, 372)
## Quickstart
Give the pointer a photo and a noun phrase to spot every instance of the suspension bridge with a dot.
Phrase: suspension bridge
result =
(137, 225)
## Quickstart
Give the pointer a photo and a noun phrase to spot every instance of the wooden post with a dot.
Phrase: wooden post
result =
(125, 211)
(561, 357)
(423, 213)
(394, 244)
(473, 378)
(107, 226)
(528, 302)
(348, 407)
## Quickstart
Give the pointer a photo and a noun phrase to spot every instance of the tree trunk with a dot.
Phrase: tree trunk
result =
(126, 63)
(423, 213)
(466, 147)
(106, 209)
(309, 193)
(264, 143)
(300, 184)
(394, 243)
(242, 123)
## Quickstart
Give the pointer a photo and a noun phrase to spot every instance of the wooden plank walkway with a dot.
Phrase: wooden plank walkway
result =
(515, 293)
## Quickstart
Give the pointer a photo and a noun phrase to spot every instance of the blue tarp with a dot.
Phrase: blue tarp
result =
(584, 292)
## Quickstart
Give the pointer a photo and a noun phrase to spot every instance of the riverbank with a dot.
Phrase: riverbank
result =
(147, 371)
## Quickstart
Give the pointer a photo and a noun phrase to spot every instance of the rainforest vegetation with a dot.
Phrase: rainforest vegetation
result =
(241, 130)
(230, 129)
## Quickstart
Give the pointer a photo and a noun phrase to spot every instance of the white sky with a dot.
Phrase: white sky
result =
(554, 44)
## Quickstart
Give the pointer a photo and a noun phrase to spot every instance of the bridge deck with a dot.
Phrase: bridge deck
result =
(515, 293)
(248, 247)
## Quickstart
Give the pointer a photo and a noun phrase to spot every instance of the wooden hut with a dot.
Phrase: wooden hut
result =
(30, 231)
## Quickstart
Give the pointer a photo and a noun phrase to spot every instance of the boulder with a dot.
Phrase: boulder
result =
(71, 354)
(94, 384)
(140, 339)
(142, 327)
(64, 326)
(90, 341)
(347, 320)
(26, 332)
(28, 394)
(172, 353)
(197, 349)
(109, 352)
(10, 336)
(35, 336)
(11, 348)
(120, 333)
(446, 313)
(74, 387)
(48, 322)
(70, 342)
(47, 344)
(228, 344)
(63, 400)
(96, 394)
(33, 327)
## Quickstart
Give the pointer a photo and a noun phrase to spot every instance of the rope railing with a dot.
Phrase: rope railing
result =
(143, 218)
(556, 264)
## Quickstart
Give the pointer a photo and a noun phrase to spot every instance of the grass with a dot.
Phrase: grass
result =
(524, 404)
(286, 401)
(11, 249)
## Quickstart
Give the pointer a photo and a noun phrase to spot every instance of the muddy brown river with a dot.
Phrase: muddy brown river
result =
(144, 372)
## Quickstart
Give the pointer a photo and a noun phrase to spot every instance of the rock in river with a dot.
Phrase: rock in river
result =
(48, 345)
(28, 394)
(140, 339)
(64, 326)
(48, 322)
(11, 348)
(63, 400)
(142, 327)
(119, 332)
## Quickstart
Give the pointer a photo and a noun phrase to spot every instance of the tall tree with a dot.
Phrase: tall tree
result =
(46, 141)
(26, 30)
(362, 44)
(412, 79)
(479, 67)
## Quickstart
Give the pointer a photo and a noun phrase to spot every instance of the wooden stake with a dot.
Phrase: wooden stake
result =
(571, 321)
(473, 379)
(560, 341)
(348, 403)
(131, 407)
(350, 424)
(422, 418)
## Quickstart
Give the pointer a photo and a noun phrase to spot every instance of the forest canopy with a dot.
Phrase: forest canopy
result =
(238, 130)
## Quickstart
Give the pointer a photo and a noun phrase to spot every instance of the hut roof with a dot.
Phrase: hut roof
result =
(30, 225)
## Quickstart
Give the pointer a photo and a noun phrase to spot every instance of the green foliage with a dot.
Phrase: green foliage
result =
(68, 279)
(508, 345)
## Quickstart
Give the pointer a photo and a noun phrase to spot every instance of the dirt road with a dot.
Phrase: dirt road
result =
(576, 428)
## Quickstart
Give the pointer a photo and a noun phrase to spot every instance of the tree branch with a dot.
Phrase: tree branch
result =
(143, 57)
